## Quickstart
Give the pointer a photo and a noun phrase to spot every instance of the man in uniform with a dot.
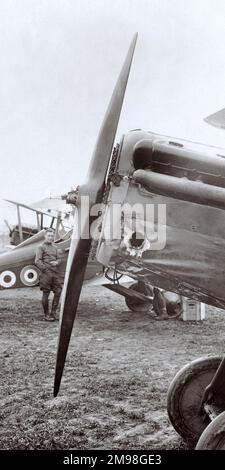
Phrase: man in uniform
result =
(47, 260)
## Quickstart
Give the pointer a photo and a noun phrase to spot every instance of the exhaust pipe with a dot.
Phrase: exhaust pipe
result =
(181, 188)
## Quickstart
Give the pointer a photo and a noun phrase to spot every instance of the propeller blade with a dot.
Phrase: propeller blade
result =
(80, 248)
(78, 257)
(103, 148)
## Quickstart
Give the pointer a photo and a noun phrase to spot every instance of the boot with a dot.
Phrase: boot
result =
(163, 315)
(159, 305)
(45, 305)
(55, 304)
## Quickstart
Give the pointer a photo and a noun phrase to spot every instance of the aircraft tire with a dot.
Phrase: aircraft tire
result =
(136, 305)
(185, 395)
(174, 304)
(213, 437)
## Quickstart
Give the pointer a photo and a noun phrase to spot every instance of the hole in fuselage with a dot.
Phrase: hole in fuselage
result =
(136, 240)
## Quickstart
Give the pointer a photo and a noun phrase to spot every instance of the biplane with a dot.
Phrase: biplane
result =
(17, 267)
(52, 217)
(177, 245)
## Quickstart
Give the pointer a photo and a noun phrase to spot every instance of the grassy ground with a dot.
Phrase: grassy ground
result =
(113, 392)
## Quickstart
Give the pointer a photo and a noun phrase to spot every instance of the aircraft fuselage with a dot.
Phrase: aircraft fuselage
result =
(160, 172)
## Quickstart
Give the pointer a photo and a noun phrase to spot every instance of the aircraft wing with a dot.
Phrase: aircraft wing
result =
(25, 206)
(37, 237)
(52, 203)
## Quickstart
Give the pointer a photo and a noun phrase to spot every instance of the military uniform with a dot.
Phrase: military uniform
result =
(50, 279)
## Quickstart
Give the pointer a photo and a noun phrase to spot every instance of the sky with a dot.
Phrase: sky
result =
(59, 60)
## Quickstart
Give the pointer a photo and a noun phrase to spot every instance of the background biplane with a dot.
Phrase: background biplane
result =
(48, 213)
(17, 268)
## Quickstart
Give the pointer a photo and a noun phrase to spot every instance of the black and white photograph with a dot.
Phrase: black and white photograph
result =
(112, 231)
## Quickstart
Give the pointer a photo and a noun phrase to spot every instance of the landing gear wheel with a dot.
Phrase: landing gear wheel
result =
(185, 394)
(174, 304)
(137, 305)
(213, 437)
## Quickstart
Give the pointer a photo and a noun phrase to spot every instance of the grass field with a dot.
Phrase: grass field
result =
(113, 392)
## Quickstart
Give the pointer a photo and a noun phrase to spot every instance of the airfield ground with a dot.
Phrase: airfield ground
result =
(113, 393)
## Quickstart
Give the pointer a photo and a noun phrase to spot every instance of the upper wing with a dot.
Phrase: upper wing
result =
(56, 204)
(25, 206)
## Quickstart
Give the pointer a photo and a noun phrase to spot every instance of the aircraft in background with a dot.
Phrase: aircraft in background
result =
(17, 268)
(189, 180)
(49, 212)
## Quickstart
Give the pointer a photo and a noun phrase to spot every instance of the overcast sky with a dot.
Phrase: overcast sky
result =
(59, 60)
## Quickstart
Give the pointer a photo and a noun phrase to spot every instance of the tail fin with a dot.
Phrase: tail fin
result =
(217, 119)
